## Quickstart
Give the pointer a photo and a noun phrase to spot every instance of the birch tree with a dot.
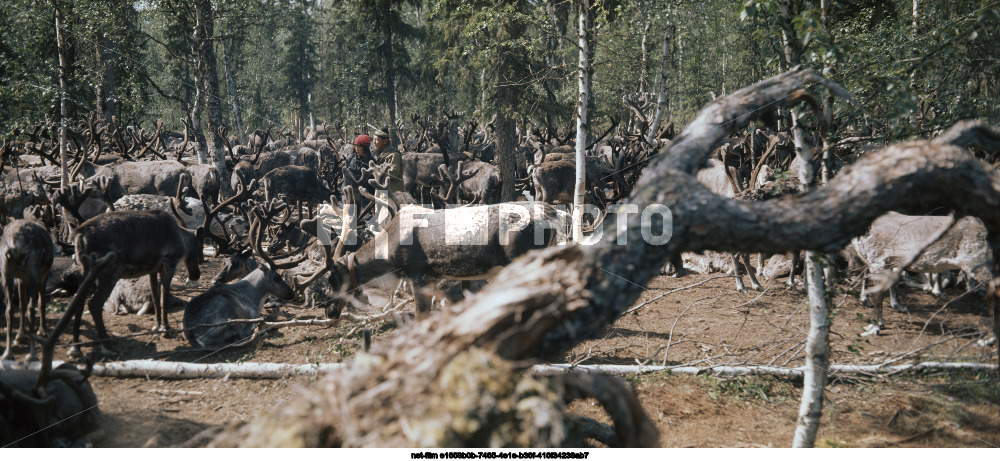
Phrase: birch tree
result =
(817, 341)
(583, 78)
(64, 177)
(661, 87)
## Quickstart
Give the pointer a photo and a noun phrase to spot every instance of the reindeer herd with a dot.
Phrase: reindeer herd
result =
(146, 199)
(290, 219)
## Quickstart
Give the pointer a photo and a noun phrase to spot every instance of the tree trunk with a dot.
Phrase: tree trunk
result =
(197, 105)
(827, 104)
(210, 83)
(817, 342)
(553, 43)
(390, 70)
(661, 89)
(680, 73)
(463, 378)
(644, 57)
(227, 60)
(64, 176)
(270, 370)
(582, 124)
(591, 47)
(312, 117)
(786, 11)
(454, 139)
(104, 57)
(505, 133)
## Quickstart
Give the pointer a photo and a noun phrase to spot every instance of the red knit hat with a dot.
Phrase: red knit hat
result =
(363, 140)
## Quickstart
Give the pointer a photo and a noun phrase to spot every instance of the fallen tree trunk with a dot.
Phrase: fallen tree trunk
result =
(462, 377)
(180, 370)
(784, 372)
(251, 370)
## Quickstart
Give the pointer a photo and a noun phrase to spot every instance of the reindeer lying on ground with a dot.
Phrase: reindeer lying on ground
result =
(133, 296)
(240, 300)
(467, 243)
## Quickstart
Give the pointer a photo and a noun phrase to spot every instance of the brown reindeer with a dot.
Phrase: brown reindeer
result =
(145, 243)
(26, 254)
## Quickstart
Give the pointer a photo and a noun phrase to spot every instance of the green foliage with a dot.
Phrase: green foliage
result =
(970, 387)
(748, 388)
(102, 42)
(482, 57)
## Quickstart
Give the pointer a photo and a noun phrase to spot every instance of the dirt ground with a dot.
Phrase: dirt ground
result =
(708, 324)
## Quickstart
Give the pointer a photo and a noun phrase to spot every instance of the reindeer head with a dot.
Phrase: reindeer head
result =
(261, 216)
(339, 270)
(236, 266)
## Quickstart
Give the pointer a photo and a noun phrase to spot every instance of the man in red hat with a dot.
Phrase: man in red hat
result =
(357, 162)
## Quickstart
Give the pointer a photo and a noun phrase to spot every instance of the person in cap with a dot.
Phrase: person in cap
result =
(359, 161)
(390, 156)
(362, 155)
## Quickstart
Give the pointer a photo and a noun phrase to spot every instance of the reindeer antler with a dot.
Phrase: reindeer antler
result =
(261, 215)
(346, 227)
(243, 192)
(452, 182)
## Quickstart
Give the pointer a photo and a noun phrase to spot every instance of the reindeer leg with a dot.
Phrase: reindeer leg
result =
(745, 260)
(936, 284)
(678, 262)
(795, 263)
(996, 327)
(22, 308)
(154, 288)
(736, 271)
(10, 326)
(894, 301)
(876, 299)
(74, 350)
(105, 284)
(417, 285)
(927, 282)
(864, 294)
(165, 279)
(42, 302)
(26, 288)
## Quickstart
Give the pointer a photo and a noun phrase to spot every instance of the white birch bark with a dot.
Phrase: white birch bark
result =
(267, 370)
(581, 123)
(64, 177)
(817, 343)
(661, 100)
(227, 61)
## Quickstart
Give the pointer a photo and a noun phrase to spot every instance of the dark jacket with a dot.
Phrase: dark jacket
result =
(356, 164)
